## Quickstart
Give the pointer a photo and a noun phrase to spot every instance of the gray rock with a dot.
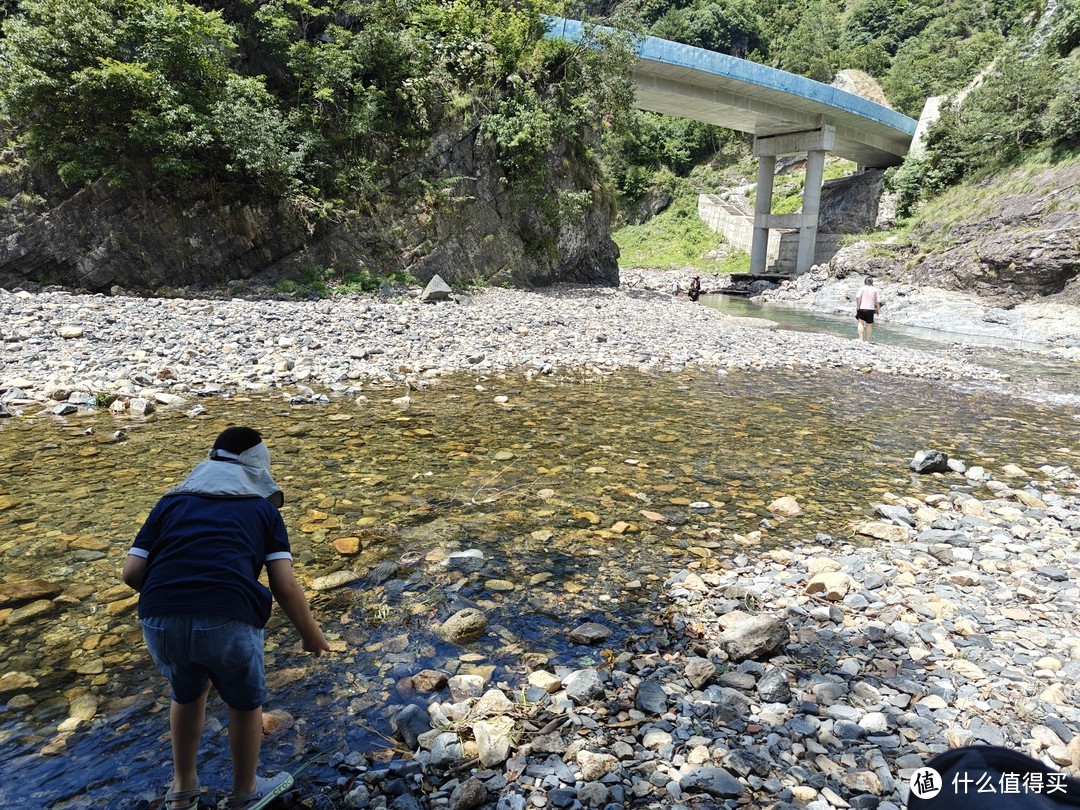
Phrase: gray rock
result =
(447, 750)
(699, 671)
(897, 514)
(775, 686)
(757, 637)
(511, 801)
(744, 762)
(410, 723)
(930, 461)
(594, 794)
(436, 290)
(590, 633)
(1053, 573)
(714, 781)
(737, 680)
(468, 795)
(583, 685)
(651, 698)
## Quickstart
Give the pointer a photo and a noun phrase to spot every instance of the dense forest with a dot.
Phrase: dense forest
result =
(321, 102)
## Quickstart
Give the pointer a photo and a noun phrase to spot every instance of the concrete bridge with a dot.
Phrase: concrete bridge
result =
(786, 114)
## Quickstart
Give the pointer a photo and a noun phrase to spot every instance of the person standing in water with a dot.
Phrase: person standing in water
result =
(867, 305)
(196, 563)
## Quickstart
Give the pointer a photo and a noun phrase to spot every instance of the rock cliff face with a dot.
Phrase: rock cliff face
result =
(1018, 246)
(467, 226)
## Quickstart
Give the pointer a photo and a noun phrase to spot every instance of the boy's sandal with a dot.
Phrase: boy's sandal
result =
(180, 795)
(266, 790)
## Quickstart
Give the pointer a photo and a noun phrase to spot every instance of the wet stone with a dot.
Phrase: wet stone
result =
(20, 591)
(28, 613)
(590, 633)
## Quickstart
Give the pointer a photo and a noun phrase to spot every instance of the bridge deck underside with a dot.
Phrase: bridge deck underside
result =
(764, 111)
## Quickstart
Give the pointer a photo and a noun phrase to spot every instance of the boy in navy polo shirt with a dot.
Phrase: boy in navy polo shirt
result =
(196, 564)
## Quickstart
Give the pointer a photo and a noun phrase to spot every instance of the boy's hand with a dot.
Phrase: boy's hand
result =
(316, 645)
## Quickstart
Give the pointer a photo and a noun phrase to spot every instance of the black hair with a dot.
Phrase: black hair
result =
(237, 439)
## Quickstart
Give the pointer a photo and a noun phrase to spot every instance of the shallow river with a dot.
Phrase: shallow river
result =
(582, 494)
(1044, 377)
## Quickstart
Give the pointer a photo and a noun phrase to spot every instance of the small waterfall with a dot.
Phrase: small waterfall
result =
(1042, 30)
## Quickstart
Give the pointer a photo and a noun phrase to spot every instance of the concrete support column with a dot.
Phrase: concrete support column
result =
(759, 247)
(811, 205)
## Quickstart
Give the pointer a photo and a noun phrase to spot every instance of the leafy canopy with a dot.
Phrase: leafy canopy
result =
(317, 101)
(110, 88)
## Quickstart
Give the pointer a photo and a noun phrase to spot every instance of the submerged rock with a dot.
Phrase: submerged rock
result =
(464, 626)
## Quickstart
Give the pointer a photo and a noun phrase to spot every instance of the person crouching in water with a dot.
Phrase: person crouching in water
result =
(867, 304)
(695, 288)
(196, 564)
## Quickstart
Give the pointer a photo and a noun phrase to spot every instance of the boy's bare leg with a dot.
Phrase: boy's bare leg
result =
(245, 740)
(186, 723)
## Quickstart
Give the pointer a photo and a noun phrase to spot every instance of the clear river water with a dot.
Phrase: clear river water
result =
(576, 496)
(1049, 378)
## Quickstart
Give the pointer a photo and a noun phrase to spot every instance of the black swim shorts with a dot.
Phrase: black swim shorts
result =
(866, 315)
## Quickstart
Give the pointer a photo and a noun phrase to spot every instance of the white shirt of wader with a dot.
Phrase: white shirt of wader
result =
(867, 298)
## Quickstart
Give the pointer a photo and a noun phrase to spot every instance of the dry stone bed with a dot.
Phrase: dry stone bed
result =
(63, 351)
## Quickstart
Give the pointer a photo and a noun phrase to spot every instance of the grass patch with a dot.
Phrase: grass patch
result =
(672, 240)
(980, 196)
(323, 282)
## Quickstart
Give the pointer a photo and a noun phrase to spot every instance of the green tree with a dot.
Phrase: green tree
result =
(1061, 123)
(1002, 119)
(941, 59)
(725, 26)
(811, 47)
(1065, 31)
(648, 144)
(871, 57)
(117, 88)
(872, 21)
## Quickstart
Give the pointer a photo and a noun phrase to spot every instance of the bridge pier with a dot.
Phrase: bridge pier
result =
(766, 172)
(816, 143)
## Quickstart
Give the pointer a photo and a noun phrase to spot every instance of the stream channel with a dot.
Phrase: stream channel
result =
(1042, 376)
(575, 497)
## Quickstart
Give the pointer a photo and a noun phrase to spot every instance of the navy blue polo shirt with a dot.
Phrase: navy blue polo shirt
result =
(204, 555)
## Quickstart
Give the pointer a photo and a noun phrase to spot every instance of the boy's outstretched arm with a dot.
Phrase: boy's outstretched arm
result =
(290, 596)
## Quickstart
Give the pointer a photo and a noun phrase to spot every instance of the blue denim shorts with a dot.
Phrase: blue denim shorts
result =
(191, 650)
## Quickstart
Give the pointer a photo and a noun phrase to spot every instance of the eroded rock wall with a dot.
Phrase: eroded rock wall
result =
(1014, 247)
(451, 214)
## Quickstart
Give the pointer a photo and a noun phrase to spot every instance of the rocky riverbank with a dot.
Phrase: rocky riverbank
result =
(818, 676)
(1047, 325)
(72, 349)
(812, 676)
